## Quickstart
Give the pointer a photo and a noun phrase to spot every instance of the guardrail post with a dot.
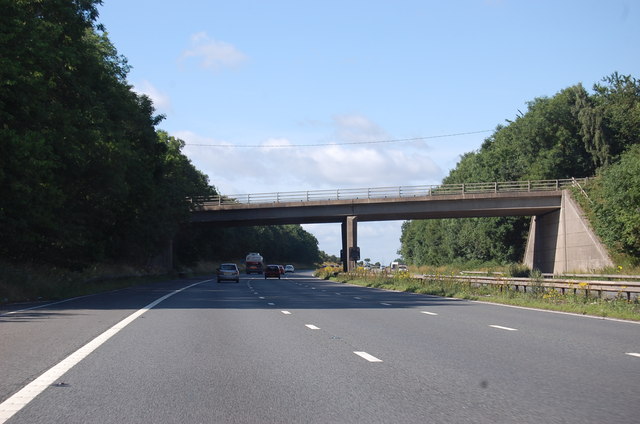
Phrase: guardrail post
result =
(307, 196)
(495, 187)
(462, 188)
(278, 197)
(338, 194)
(529, 185)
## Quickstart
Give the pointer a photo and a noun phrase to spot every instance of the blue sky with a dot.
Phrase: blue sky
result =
(229, 74)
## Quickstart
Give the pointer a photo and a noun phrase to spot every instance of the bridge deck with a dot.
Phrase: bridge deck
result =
(381, 209)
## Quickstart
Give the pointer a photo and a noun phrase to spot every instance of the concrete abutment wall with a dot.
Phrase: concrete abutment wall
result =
(562, 241)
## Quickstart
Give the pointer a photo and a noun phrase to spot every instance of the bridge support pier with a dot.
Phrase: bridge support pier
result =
(349, 240)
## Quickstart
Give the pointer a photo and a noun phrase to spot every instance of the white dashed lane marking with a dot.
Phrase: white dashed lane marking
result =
(637, 355)
(286, 312)
(367, 356)
(499, 327)
(428, 313)
(312, 327)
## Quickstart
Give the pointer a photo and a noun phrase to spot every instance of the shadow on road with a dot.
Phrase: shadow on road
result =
(293, 292)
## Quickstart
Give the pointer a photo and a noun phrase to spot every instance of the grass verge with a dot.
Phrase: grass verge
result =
(38, 283)
(617, 307)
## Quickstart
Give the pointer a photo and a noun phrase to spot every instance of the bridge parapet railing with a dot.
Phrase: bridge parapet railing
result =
(389, 192)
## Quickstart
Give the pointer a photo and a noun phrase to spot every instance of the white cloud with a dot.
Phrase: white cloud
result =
(213, 54)
(161, 101)
(271, 167)
(354, 127)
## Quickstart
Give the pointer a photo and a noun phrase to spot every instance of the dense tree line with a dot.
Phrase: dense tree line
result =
(572, 134)
(277, 243)
(85, 175)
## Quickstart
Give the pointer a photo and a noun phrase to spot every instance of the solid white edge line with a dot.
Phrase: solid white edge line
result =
(499, 327)
(367, 356)
(311, 327)
(637, 355)
(550, 311)
(25, 395)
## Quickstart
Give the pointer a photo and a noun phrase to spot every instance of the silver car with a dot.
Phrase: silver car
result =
(228, 271)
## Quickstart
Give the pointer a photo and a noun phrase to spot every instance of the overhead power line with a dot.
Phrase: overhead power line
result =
(396, 140)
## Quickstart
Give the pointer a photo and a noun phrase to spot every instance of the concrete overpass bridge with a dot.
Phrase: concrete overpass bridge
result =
(560, 239)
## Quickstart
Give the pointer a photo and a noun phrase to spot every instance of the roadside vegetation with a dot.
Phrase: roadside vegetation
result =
(579, 303)
(575, 133)
(34, 283)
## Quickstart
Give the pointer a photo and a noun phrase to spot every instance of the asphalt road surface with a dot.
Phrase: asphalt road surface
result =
(303, 350)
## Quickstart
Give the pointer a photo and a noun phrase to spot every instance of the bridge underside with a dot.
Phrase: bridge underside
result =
(546, 232)
(427, 207)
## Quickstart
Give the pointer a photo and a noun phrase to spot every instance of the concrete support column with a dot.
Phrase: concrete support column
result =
(349, 240)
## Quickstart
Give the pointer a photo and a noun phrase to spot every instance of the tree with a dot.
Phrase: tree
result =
(617, 203)
(610, 119)
(84, 176)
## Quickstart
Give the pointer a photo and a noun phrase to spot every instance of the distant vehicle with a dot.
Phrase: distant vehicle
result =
(282, 271)
(228, 271)
(254, 262)
(398, 267)
(289, 268)
(272, 271)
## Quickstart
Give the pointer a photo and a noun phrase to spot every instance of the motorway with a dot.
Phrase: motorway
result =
(303, 350)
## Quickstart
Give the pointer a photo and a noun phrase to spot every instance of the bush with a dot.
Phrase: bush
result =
(518, 271)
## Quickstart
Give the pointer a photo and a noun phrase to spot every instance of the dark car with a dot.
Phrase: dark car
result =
(272, 271)
(229, 272)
